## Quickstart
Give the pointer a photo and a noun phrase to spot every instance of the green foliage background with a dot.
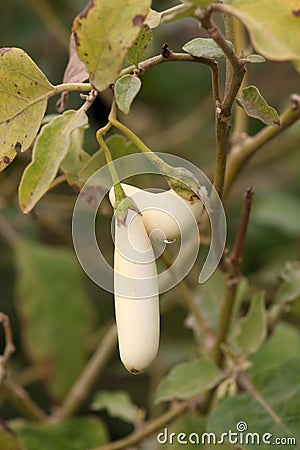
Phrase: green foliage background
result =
(173, 113)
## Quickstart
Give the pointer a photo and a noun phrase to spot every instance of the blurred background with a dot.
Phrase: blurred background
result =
(173, 113)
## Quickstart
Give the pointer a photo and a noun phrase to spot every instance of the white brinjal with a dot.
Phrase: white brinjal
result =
(136, 294)
(165, 214)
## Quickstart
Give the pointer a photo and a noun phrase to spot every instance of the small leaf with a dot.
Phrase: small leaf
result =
(204, 47)
(255, 106)
(126, 89)
(188, 379)
(78, 434)
(49, 150)
(23, 102)
(251, 330)
(141, 47)
(118, 404)
(119, 146)
(289, 289)
(76, 158)
(54, 311)
(272, 31)
(255, 59)
(103, 33)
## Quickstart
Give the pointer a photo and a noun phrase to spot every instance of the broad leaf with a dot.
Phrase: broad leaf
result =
(126, 89)
(118, 404)
(75, 434)
(255, 105)
(251, 329)
(104, 32)
(276, 413)
(49, 150)
(273, 31)
(282, 346)
(96, 161)
(24, 91)
(141, 47)
(204, 47)
(119, 146)
(188, 379)
(76, 158)
(54, 312)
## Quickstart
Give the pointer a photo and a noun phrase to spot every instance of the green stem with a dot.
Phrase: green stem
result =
(119, 192)
(158, 162)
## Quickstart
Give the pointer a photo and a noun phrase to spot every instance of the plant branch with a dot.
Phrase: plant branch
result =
(179, 57)
(22, 401)
(84, 384)
(169, 14)
(149, 428)
(234, 80)
(244, 151)
(233, 276)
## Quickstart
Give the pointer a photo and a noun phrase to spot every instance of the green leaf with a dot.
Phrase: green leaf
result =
(289, 289)
(278, 414)
(283, 345)
(251, 329)
(54, 311)
(49, 150)
(141, 47)
(76, 158)
(255, 106)
(188, 379)
(126, 89)
(204, 47)
(75, 434)
(103, 33)
(23, 102)
(118, 404)
(272, 32)
(254, 59)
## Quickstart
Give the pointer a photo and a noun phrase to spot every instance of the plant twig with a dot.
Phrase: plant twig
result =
(84, 384)
(149, 428)
(244, 151)
(9, 344)
(179, 57)
(233, 275)
(22, 400)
